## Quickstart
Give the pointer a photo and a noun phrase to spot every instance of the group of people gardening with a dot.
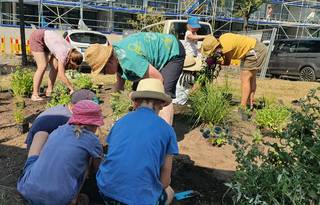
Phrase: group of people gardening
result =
(136, 169)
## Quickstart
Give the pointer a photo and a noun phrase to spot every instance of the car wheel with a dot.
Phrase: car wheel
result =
(307, 74)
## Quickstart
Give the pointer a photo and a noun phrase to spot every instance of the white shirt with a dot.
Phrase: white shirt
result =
(191, 46)
(57, 45)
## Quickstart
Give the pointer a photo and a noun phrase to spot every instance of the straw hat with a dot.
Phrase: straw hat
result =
(97, 56)
(209, 44)
(151, 88)
(192, 63)
(86, 112)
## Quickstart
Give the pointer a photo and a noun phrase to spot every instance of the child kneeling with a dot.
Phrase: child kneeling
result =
(56, 166)
(137, 167)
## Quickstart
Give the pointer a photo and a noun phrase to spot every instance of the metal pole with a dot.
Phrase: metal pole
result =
(22, 34)
(81, 10)
(40, 13)
(270, 47)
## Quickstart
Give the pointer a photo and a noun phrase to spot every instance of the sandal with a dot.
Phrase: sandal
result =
(36, 98)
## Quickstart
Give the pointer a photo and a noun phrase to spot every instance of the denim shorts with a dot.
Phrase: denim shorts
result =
(109, 201)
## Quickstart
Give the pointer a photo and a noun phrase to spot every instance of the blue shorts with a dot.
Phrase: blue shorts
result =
(30, 161)
(109, 201)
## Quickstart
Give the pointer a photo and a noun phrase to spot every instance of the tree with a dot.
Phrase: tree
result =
(245, 8)
(148, 18)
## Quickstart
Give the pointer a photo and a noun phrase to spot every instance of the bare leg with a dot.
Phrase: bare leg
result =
(170, 195)
(245, 77)
(42, 60)
(52, 75)
(39, 139)
(253, 84)
(167, 113)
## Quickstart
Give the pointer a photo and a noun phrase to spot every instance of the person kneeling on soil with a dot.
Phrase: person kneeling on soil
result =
(56, 116)
(239, 47)
(137, 167)
(57, 164)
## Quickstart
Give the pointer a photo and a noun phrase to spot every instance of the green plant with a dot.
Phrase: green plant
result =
(19, 102)
(21, 82)
(215, 135)
(60, 96)
(210, 70)
(82, 82)
(273, 116)
(288, 172)
(18, 115)
(209, 105)
(120, 104)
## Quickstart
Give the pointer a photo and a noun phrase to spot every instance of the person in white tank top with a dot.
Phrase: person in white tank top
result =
(191, 38)
(191, 46)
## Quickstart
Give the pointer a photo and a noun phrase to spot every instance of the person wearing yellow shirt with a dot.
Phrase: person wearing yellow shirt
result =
(249, 50)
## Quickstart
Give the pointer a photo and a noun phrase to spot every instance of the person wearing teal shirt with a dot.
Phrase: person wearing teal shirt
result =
(141, 55)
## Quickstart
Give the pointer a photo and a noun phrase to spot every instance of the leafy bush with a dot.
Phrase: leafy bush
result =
(288, 172)
(120, 104)
(59, 96)
(273, 116)
(209, 104)
(21, 82)
(82, 82)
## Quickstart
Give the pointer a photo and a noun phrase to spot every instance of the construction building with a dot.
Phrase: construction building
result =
(294, 19)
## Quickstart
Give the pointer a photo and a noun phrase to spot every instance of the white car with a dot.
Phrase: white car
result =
(81, 40)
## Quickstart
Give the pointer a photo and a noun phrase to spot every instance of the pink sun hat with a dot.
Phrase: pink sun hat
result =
(86, 112)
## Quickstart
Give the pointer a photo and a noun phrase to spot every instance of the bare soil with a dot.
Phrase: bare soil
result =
(200, 166)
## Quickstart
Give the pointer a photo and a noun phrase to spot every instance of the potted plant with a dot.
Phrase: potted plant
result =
(21, 123)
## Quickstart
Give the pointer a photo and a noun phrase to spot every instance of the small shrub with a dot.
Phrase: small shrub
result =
(18, 115)
(288, 172)
(21, 82)
(82, 82)
(273, 116)
(59, 96)
(209, 104)
(120, 104)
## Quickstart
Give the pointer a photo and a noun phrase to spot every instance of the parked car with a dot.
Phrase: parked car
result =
(81, 40)
(296, 58)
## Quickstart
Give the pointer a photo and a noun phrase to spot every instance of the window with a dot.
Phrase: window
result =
(287, 47)
(88, 38)
(308, 46)
(179, 29)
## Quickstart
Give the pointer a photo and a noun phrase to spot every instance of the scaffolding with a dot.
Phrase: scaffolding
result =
(292, 18)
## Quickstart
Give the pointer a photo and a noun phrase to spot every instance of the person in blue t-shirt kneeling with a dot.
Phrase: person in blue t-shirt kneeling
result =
(54, 172)
(137, 168)
(53, 117)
